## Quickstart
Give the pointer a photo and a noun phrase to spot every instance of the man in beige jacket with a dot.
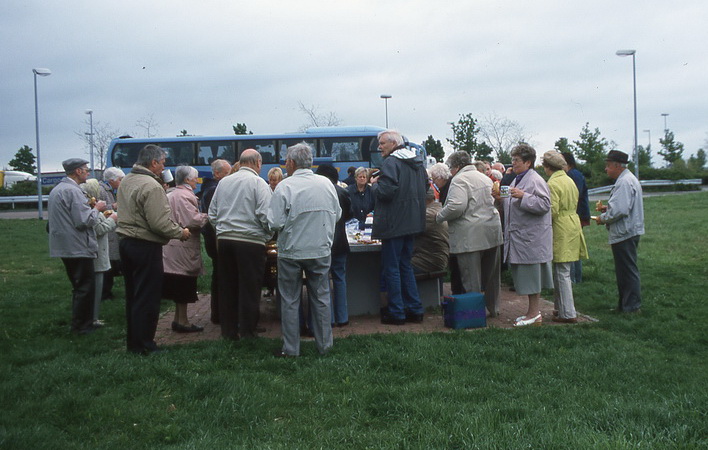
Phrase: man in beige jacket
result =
(144, 227)
(475, 229)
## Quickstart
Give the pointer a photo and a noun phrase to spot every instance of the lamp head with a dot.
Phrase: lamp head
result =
(385, 96)
(625, 52)
(42, 72)
(89, 111)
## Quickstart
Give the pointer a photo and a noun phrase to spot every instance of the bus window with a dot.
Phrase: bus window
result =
(125, 155)
(209, 151)
(341, 148)
(177, 153)
(285, 143)
(266, 147)
(375, 154)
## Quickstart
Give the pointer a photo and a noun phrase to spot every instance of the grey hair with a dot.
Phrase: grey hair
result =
(148, 154)
(91, 188)
(440, 170)
(392, 135)
(183, 173)
(525, 152)
(250, 158)
(361, 170)
(481, 166)
(218, 164)
(458, 160)
(301, 155)
(113, 173)
(497, 175)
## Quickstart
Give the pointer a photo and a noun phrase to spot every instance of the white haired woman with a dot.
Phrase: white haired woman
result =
(112, 177)
(182, 260)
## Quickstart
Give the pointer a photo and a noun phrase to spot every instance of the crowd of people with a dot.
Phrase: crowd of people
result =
(472, 218)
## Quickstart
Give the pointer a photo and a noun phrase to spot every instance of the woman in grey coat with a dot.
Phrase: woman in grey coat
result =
(528, 235)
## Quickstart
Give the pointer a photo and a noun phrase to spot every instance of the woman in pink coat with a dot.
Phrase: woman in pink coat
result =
(528, 235)
(182, 260)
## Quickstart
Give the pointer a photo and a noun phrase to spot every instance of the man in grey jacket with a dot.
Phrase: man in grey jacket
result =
(304, 211)
(624, 217)
(239, 212)
(72, 238)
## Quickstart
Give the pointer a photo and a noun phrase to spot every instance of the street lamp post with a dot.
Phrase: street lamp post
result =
(632, 53)
(386, 97)
(90, 114)
(41, 73)
(665, 115)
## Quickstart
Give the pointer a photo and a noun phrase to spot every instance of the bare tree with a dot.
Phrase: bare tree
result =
(501, 134)
(315, 119)
(103, 133)
(148, 124)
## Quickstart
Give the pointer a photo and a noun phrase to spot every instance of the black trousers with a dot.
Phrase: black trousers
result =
(241, 269)
(627, 274)
(83, 286)
(142, 272)
(108, 279)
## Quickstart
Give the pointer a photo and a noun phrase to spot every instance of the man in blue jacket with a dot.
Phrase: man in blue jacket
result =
(624, 217)
(399, 216)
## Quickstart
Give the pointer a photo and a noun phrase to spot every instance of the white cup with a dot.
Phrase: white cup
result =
(167, 176)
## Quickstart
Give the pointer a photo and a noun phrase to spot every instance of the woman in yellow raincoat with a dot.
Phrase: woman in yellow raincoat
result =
(568, 238)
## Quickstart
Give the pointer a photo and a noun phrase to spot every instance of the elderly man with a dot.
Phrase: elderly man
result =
(475, 229)
(304, 211)
(239, 213)
(112, 177)
(624, 217)
(144, 227)
(72, 238)
(219, 169)
(399, 216)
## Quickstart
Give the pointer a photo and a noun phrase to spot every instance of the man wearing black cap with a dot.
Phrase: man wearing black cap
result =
(624, 218)
(71, 238)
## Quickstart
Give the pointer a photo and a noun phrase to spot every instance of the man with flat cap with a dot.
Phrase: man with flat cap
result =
(72, 238)
(624, 217)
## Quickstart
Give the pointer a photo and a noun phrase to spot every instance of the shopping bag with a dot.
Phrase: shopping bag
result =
(465, 311)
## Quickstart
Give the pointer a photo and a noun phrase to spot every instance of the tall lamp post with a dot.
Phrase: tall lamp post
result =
(90, 135)
(632, 53)
(665, 115)
(41, 73)
(386, 97)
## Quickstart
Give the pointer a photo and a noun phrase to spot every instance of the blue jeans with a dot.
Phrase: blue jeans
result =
(576, 271)
(398, 273)
(338, 272)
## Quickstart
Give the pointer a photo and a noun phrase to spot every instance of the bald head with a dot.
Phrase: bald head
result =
(251, 158)
(499, 166)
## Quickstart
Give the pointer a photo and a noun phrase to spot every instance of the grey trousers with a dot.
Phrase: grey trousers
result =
(563, 291)
(290, 287)
(478, 269)
(627, 273)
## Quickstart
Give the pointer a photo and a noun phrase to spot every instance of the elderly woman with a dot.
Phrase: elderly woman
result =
(182, 260)
(275, 176)
(112, 177)
(568, 238)
(439, 174)
(361, 195)
(475, 229)
(528, 236)
(104, 226)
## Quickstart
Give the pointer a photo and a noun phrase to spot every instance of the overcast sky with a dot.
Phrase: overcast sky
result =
(206, 65)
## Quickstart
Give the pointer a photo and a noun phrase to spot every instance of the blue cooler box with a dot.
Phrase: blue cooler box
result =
(465, 311)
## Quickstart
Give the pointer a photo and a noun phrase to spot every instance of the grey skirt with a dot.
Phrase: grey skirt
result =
(532, 278)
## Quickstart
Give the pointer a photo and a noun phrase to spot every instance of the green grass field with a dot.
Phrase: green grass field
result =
(628, 381)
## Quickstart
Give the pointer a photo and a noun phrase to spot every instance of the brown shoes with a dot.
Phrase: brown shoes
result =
(562, 320)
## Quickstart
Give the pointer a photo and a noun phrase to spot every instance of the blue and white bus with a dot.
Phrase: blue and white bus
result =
(340, 146)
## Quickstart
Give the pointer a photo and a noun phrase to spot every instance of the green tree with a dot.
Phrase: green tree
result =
(24, 161)
(434, 148)
(464, 134)
(241, 128)
(672, 150)
(563, 146)
(697, 161)
(484, 152)
(644, 155)
(591, 148)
